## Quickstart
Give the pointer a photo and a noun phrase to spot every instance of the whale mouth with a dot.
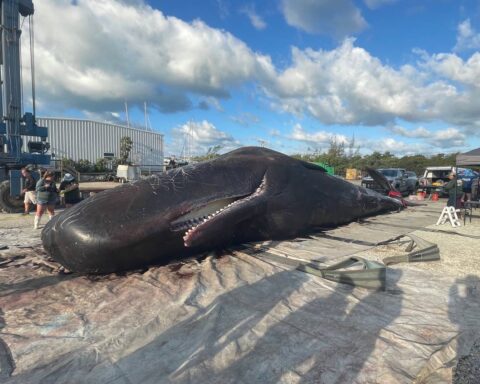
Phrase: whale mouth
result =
(201, 217)
(201, 214)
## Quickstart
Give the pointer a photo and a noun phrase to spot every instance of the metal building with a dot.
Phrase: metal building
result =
(92, 140)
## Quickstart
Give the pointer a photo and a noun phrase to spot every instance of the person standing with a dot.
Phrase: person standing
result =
(455, 191)
(47, 194)
(28, 191)
(70, 189)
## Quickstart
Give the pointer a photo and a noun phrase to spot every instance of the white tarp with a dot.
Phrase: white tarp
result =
(238, 319)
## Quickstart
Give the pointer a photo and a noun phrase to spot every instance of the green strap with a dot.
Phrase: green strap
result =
(426, 251)
(372, 275)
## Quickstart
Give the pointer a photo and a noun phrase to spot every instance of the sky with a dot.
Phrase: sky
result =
(292, 75)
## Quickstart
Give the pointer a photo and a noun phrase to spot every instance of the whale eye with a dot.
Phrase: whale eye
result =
(313, 166)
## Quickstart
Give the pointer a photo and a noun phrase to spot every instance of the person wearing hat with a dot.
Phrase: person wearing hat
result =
(69, 188)
(47, 195)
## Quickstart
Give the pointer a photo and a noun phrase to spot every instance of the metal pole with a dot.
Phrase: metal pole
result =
(32, 62)
(456, 186)
(145, 110)
(126, 113)
(11, 74)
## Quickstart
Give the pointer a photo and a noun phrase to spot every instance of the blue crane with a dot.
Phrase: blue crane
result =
(14, 125)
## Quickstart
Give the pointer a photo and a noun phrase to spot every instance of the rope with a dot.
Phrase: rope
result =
(21, 70)
(32, 61)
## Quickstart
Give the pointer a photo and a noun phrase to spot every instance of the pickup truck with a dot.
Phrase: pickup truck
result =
(396, 176)
(436, 177)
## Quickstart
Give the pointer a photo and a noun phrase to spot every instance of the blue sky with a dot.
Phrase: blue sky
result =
(396, 75)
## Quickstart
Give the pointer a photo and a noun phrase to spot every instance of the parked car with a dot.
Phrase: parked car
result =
(435, 176)
(396, 176)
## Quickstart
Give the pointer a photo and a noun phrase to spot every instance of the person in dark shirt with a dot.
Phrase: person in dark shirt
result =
(454, 189)
(70, 189)
(47, 194)
(28, 190)
(172, 163)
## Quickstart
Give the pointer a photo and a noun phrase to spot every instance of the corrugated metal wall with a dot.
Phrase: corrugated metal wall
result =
(89, 140)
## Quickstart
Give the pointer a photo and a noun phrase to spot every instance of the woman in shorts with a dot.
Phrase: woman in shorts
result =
(47, 194)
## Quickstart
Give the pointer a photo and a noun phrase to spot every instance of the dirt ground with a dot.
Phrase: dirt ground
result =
(227, 319)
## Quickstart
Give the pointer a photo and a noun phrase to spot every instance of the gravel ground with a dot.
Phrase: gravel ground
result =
(458, 248)
(467, 370)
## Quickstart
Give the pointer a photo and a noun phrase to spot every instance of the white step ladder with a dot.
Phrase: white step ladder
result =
(450, 214)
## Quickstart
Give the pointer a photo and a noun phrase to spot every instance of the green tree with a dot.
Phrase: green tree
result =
(101, 165)
(68, 162)
(84, 165)
(126, 145)
(211, 153)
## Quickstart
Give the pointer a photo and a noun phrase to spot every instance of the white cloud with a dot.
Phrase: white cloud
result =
(395, 146)
(210, 102)
(246, 119)
(223, 10)
(254, 17)
(426, 141)
(199, 136)
(98, 54)
(447, 138)
(467, 37)
(374, 4)
(347, 85)
(441, 139)
(274, 132)
(317, 139)
(453, 68)
(320, 140)
(337, 18)
(417, 133)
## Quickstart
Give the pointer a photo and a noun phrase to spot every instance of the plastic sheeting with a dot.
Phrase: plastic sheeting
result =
(234, 318)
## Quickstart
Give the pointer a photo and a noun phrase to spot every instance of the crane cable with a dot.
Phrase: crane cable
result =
(32, 61)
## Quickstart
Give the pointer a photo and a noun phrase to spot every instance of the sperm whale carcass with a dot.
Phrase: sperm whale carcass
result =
(249, 194)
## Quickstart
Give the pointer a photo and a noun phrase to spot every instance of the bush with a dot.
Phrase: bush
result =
(101, 165)
(85, 166)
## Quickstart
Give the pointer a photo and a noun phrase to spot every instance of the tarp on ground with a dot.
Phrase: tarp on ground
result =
(471, 158)
(234, 318)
